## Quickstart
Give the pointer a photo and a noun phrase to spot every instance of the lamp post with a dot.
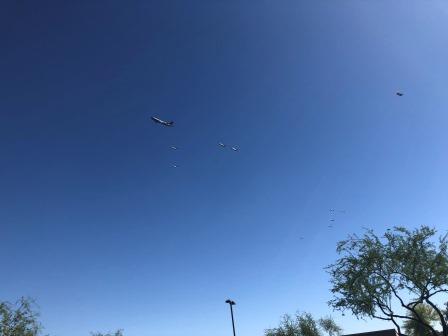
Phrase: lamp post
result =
(231, 304)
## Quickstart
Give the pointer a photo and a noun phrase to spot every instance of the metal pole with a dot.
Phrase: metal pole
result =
(233, 321)
(232, 303)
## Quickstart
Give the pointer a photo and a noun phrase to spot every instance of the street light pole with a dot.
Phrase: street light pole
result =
(231, 304)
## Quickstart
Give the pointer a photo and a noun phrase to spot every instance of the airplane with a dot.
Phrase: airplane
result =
(175, 165)
(221, 144)
(399, 94)
(163, 122)
(173, 147)
(235, 149)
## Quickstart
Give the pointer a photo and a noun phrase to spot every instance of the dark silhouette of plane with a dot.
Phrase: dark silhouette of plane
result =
(399, 94)
(162, 122)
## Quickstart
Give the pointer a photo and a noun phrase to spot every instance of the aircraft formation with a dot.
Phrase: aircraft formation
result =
(165, 123)
(223, 145)
(333, 214)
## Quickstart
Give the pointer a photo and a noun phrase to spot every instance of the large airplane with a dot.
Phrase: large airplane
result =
(163, 122)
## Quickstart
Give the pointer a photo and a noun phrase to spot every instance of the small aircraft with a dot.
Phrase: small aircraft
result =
(221, 144)
(173, 147)
(235, 149)
(399, 94)
(163, 122)
(175, 165)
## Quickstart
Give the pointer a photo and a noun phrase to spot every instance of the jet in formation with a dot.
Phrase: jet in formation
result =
(162, 122)
(223, 145)
(399, 94)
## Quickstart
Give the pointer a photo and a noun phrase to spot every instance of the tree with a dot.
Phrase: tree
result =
(19, 319)
(427, 314)
(329, 326)
(119, 332)
(304, 325)
(388, 277)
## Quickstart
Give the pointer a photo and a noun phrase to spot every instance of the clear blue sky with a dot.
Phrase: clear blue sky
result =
(99, 228)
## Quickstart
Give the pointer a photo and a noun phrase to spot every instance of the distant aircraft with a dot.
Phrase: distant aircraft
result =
(235, 149)
(174, 165)
(399, 94)
(332, 220)
(173, 147)
(163, 122)
(221, 144)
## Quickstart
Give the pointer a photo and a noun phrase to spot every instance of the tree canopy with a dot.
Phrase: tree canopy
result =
(303, 324)
(19, 318)
(427, 314)
(388, 277)
(119, 332)
(22, 319)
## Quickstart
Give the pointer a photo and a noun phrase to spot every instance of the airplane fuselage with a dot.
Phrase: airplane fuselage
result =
(163, 122)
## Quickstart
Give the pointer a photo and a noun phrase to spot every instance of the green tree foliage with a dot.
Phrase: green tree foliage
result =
(329, 326)
(119, 332)
(304, 325)
(427, 314)
(19, 319)
(388, 277)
